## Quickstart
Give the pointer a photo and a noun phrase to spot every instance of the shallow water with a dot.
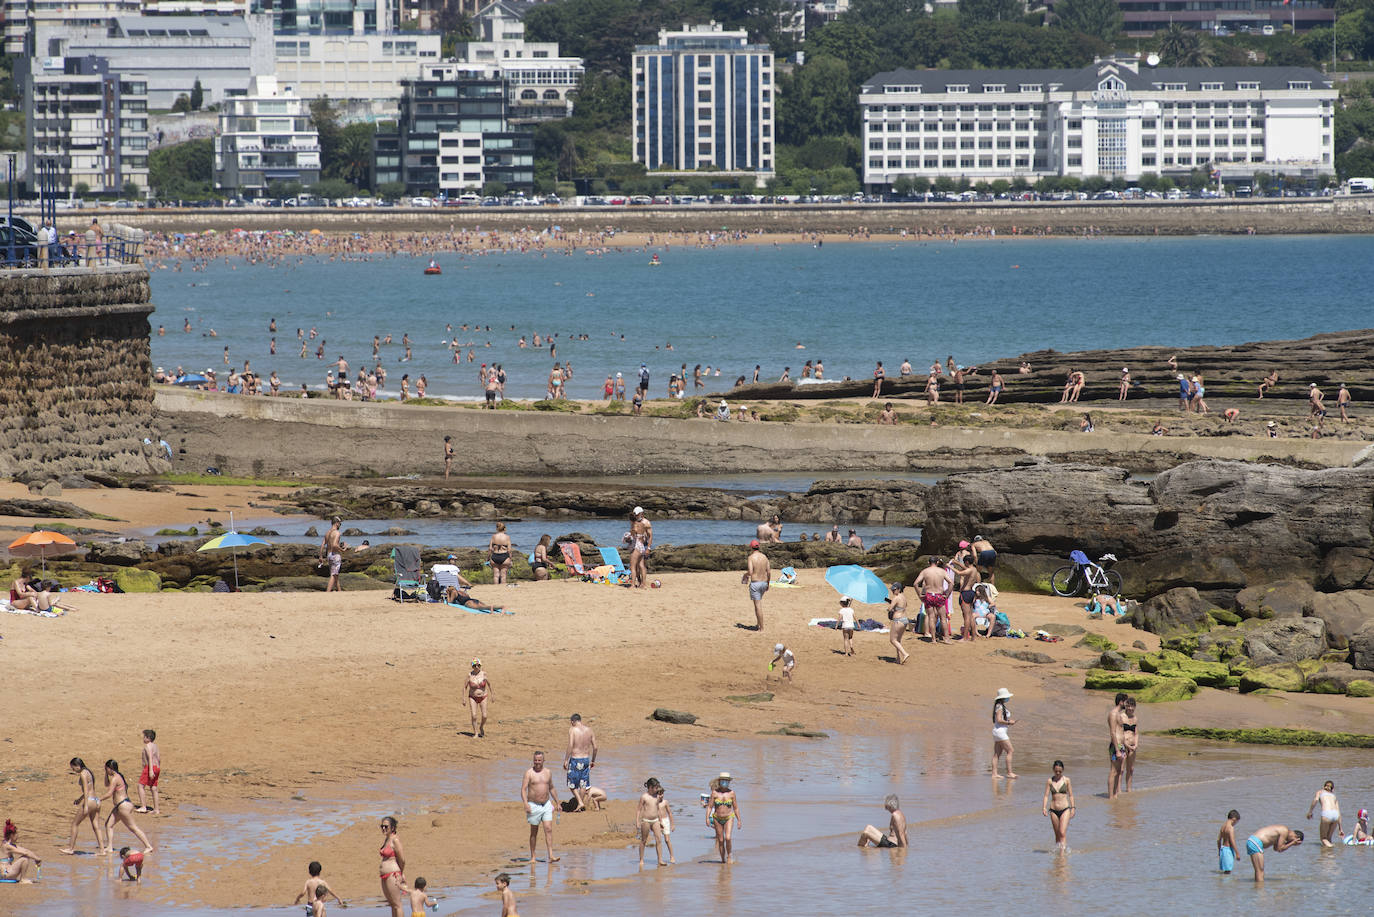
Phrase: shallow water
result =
(732, 308)
(976, 843)
(449, 532)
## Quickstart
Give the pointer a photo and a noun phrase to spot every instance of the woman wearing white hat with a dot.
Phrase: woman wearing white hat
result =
(1001, 720)
(723, 813)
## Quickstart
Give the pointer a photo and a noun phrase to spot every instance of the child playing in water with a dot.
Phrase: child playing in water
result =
(1361, 833)
(315, 882)
(1227, 851)
(647, 821)
(131, 865)
(420, 899)
(782, 654)
(507, 896)
(665, 821)
(846, 614)
(317, 906)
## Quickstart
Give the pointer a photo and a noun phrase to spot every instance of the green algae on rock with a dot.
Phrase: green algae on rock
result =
(1275, 736)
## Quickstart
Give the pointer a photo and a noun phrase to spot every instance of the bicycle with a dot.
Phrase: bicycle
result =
(1083, 577)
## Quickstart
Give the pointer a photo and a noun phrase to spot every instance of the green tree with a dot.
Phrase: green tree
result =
(183, 170)
(284, 189)
(391, 190)
(332, 189)
(81, 189)
(197, 96)
(1098, 18)
(1184, 47)
(493, 188)
(352, 160)
(325, 119)
(992, 10)
(1000, 186)
(182, 104)
(603, 101)
(817, 101)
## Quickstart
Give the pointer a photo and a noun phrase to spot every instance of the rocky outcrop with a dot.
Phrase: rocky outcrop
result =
(1344, 614)
(1178, 611)
(1284, 640)
(1285, 598)
(1214, 526)
(75, 373)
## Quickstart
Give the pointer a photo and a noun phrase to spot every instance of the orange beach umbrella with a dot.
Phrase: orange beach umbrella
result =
(41, 544)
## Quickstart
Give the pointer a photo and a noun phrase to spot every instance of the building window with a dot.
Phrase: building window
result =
(954, 88)
(1211, 87)
(966, 162)
(1075, 143)
(1075, 161)
(985, 143)
(949, 162)
(1022, 162)
(985, 162)
(1147, 160)
(1299, 84)
(994, 87)
(1031, 87)
(931, 163)
(1247, 87)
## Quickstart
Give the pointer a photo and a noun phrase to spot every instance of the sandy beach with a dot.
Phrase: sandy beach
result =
(275, 696)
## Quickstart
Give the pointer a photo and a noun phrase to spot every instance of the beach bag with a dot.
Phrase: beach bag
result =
(105, 584)
(1001, 625)
(436, 591)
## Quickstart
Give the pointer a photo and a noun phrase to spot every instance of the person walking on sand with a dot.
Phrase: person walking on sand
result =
(1330, 812)
(1280, 837)
(331, 550)
(579, 759)
(538, 794)
(1116, 746)
(933, 589)
(393, 866)
(1001, 740)
(846, 615)
(1227, 850)
(448, 455)
(899, 622)
(1057, 805)
(87, 807)
(896, 827)
(641, 543)
(151, 774)
(757, 574)
(479, 692)
(724, 813)
(647, 822)
(498, 552)
(118, 794)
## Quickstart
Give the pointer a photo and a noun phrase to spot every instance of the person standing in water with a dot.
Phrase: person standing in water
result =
(1001, 740)
(1227, 850)
(724, 813)
(1280, 837)
(1330, 811)
(1058, 805)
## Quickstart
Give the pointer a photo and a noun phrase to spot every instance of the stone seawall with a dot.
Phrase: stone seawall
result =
(1298, 215)
(243, 435)
(74, 371)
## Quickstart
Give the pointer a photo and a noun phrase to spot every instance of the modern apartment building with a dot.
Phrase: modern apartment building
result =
(172, 52)
(265, 137)
(1113, 118)
(704, 99)
(89, 123)
(452, 134)
(540, 84)
(1145, 17)
(362, 71)
(23, 17)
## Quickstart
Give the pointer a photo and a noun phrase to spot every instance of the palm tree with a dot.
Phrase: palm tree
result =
(1180, 46)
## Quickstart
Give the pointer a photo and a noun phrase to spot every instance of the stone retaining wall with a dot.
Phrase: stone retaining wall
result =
(74, 372)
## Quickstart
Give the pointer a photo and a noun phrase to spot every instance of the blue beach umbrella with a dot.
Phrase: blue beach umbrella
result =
(233, 541)
(858, 583)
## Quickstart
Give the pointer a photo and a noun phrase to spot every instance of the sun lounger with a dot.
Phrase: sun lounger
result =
(611, 557)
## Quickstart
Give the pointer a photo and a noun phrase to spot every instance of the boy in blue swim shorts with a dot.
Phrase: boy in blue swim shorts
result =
(1226, 842)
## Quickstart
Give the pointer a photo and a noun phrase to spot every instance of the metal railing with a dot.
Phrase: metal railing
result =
(123, 245)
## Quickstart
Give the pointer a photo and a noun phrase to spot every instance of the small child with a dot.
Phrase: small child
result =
(317, 906)
(507, 896)
(152, 769)
(312, 884)
(665, 821)
(1361, 834)
(131, 865)
(782, 654)
(847, 625)
(419, 899)
(1226, 843)
(647, 820)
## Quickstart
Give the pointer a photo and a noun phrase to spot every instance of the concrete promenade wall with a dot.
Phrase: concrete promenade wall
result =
(74, 371)
(1263, 216)
(289, 436)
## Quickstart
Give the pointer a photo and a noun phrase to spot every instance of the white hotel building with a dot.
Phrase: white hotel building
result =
(704, 99)
(1114, 118)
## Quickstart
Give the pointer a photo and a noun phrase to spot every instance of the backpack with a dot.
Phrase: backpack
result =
(436, 591)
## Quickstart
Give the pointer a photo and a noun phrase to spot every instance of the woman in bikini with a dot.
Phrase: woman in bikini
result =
(87, 806)
(479, 692)
(24, 596)
(498, 551)
(540, 564)
(1130, 737)
(20, 858)
(724, 813)
(896, 613)
(1058, 805)
(118, 793)
(393, 866)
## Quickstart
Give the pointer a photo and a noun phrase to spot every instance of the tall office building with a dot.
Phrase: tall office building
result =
(704, 98)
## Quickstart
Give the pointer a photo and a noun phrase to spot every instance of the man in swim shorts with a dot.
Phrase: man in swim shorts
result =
(1227, 851)
(580, 759)
(539, 796)
(986, 556)
(896, 827)
(1279, 837)
(933, 589)
(757, 576)
(331, 549)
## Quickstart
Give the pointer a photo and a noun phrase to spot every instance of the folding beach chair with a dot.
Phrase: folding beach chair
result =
(619, 573)
(445, 575)
(405, 563)
(572, 556)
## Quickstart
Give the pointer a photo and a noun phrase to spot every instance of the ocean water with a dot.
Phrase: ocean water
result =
(977, 843)
(738, 306)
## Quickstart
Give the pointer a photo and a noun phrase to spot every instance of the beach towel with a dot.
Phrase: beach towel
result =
(479, 611)
(56, 612)
(869, 625)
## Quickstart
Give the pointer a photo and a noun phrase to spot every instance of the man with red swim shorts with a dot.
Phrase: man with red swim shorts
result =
(933, 588)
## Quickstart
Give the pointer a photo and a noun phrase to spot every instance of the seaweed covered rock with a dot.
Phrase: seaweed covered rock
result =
(1147, 688)
(1285, 598)
(1175, 664)
(1178, 611)
(1284, 676)
(1340, 678)
(132, 579)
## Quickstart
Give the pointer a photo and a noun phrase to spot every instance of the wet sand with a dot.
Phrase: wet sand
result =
(260, 698)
